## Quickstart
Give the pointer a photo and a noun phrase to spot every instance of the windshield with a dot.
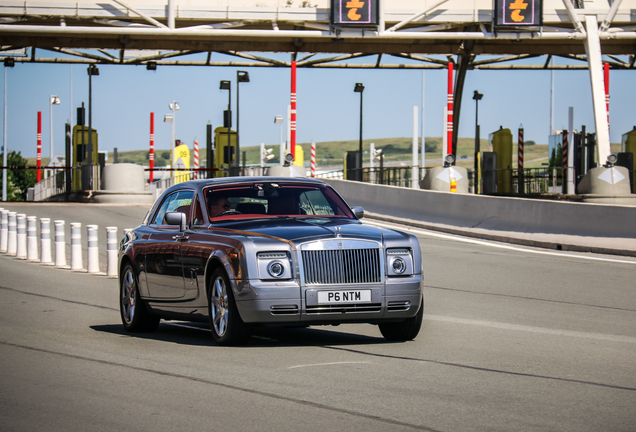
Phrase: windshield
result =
(274, 200)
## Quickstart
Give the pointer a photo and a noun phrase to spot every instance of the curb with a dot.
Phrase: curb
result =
(466, 232)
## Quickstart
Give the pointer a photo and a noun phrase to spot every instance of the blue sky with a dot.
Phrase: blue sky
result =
(328, 109)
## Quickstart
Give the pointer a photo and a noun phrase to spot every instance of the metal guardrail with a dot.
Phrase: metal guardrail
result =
(536, 181)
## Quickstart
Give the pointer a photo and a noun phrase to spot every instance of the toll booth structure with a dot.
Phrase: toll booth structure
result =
(501, 143)
(224, 154)
(84, 170)
(627, 157)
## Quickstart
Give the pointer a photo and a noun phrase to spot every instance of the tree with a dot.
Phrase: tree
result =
(18, 180)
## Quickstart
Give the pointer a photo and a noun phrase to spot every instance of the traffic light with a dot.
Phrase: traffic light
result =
(377, 154)
(266, 155)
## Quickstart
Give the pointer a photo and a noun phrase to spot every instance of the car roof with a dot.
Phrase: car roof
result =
(224, 181)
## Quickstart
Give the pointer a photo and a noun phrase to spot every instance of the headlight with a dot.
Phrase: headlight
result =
(399, 262)
(276, 269)
(274, 266)
(398, 265)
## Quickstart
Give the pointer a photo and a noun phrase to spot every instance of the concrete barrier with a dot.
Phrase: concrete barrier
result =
(76, 247)
(60, 243)
(45, 241)
(21, 236)
(12, 239)
(32, 239)
(92, 256)
(492, 213)
(4, 230)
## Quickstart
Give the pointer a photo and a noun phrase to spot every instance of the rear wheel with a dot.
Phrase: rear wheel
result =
(227, 326)
(134, 315)
(403, 330)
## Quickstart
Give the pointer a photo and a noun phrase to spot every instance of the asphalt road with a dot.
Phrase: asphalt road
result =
(513, 339)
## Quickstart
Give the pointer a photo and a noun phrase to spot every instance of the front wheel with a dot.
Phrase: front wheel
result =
(404, 330)
(134, 315)
(227, 326)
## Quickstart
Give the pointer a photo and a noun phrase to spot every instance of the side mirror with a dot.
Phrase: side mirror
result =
(358, 211)
(176, 218)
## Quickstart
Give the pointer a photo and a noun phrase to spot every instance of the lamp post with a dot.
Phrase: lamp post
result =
(8, 62)
(54, 101)
(174, 106)
(227, 118)
(359, 88)
(92, 71)
(279, 120)
(477, 97)
(241, 76)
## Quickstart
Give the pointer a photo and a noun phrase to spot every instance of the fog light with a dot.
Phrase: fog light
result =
(399, 266)
(276, 269)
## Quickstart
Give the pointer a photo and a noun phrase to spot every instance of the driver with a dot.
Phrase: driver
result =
(218, 206)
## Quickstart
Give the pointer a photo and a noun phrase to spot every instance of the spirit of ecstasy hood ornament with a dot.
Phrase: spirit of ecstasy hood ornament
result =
(338, 231)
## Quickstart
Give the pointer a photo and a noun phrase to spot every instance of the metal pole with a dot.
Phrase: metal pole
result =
(360, 144)
(51, 129)
(422, 126)
(414, 169)
(229, 128)
(238, 86)
(4, 141)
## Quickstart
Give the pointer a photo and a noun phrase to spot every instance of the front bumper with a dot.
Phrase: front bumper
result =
(259, 302)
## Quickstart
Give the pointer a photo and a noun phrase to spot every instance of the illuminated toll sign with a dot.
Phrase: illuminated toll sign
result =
(518, 13)
(354, 12)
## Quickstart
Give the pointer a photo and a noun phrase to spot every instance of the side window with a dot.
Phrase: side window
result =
(197, 218)
(315, 203)
(178, 201)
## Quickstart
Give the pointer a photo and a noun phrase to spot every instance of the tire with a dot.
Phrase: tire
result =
(227, 327)
(404, 330)
(134, 315)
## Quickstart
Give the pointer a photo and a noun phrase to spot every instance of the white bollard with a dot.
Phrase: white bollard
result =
(111, 251)
(32, 238)
(76, 247)
(4, 230)
(60, 244)
(45, 241)
(93, 250)
(21, 249)
(12, 239)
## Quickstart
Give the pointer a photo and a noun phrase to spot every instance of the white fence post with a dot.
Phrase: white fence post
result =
(12, 240)
(21, 249)
(45, 241)
(32, 238)
(60, 243)
(76, 247)
(4, 230)
(93, 250)
(111, 251)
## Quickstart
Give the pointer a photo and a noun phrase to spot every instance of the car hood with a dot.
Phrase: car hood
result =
(305, 229)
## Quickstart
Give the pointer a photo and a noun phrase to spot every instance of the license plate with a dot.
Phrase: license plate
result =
(344, 296)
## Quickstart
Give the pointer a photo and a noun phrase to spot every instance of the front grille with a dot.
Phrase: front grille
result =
(342, 309)
(341, 266)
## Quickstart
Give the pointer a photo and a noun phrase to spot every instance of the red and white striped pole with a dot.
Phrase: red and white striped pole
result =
(607, 97)
(196, 159)
(520, 154)
(292, 144)
(151, 155)
(313, 159)
(39, 156)
(449, 127)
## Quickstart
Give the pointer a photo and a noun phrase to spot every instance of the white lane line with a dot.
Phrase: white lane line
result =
(532, 329)
(329, 364)
(495, 245)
